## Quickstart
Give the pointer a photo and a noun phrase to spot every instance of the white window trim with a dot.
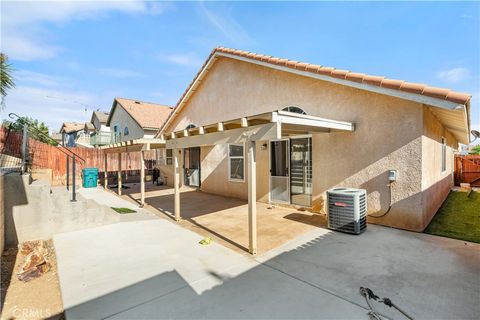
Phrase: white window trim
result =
(167, 157)
(443, 141)
(235, 157)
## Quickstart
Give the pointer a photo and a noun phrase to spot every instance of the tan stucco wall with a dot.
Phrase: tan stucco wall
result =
(389, 135)
(435, 184)
(123, 119)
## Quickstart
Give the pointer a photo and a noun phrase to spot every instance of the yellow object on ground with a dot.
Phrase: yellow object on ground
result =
(206, 241)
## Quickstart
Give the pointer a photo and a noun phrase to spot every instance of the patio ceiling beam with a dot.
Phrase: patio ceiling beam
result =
(243, 122)
(266, 131)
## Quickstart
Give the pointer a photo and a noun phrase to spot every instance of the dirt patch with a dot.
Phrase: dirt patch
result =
(39, 298)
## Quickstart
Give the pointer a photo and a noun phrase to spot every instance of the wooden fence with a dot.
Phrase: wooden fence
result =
(467, 170)
(45, 156)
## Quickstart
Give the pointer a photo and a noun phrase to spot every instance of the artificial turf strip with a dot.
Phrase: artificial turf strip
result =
(458, 217)
(123, 210)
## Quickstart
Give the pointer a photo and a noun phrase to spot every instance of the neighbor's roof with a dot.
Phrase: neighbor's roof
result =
(89, 126)
(146, 114)
(69, 127)
(102, 116)
(420, 92)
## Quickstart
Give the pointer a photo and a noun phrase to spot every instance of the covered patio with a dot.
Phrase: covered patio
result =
(225, 219)
(188, 205)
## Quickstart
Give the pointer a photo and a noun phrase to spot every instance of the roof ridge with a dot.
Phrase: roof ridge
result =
(142, 101)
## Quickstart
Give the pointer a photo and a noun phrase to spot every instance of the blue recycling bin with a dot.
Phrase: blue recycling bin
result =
(90, 177)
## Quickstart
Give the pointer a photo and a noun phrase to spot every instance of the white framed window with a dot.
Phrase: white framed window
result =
(236, 162)
(169, 157)
(444, 154)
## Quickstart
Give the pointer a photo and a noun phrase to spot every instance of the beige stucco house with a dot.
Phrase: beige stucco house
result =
(273, 130)
(133, 119)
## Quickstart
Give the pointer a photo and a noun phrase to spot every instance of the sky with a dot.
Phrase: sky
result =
(71, 58)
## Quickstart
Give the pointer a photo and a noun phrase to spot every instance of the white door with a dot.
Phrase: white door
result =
(279, 171)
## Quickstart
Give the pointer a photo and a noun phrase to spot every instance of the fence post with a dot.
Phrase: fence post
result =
(24, 148)
(74, 195)
(68, 170)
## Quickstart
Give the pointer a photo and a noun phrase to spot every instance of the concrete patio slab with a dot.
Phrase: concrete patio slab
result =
(226, 219)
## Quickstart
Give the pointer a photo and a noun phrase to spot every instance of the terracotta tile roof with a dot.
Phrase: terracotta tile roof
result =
(146, 114)
(379, 81)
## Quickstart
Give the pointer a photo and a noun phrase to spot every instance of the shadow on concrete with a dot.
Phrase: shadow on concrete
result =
(316, 220)
(319, 278)
(8, 258)
(15, 195)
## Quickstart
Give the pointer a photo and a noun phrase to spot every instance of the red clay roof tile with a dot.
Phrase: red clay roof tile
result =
(392, 84)
(412, 87)
(337, 73)
(325, 70)
(373, 80)
(353, 76)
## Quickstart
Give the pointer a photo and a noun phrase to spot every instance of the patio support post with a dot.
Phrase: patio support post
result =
(119, 174)
(252, 198)
(142, 179)
(176, 185)
(106, 171)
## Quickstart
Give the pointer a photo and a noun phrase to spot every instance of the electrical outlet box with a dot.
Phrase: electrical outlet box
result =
(392, 175)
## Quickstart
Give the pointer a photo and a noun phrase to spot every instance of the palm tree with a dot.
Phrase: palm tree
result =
(6, 70)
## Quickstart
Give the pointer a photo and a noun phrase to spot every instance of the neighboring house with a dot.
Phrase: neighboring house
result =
(99, 120)
(71, 132)
(102, 134)
(133, 119)
(74, 134)
(313, 128)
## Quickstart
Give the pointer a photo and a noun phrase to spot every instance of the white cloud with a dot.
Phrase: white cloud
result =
(226, 24)
(187, 59)
(119, 73)
(24, 30)
(36, 78)
(454, 75)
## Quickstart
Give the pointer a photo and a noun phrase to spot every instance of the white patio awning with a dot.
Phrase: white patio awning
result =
(265, 126)
(143, 144)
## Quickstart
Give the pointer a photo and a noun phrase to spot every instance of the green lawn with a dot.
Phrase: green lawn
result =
(123, 210)
(458, 218)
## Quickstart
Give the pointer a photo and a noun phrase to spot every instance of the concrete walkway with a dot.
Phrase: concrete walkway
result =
(157, 269)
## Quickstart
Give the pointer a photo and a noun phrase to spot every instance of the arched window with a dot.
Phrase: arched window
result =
(190, 126)
(294, 109)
